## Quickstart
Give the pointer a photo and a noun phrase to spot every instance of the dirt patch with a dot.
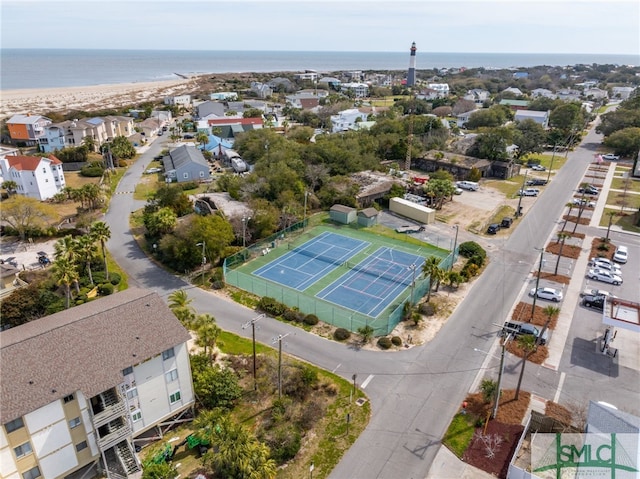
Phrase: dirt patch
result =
(538, 356)
(568, 251)
(597, 250)
(522, 313)
(574, 219)
(558, 412)
(493, 444)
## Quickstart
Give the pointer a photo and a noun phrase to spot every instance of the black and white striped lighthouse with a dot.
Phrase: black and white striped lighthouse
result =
(411, 75)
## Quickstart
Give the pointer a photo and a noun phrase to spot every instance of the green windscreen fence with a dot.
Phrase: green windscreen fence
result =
(239, 267)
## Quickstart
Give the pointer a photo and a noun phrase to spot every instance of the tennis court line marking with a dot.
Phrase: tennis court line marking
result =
(336, 368)
(366, 381)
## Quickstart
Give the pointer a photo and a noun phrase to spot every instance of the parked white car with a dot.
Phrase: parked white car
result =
(604, 276)
(621, 254)
(597, 292)
(550, 294)
(529, 192)
(584, 202)
(606, 264)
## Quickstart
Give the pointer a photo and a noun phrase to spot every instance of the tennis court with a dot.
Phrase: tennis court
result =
(306, 264)
(371, 285)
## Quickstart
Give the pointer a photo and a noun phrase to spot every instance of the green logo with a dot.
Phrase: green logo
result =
(607, 456)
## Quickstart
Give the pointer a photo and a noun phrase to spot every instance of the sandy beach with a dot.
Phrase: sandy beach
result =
(40, 101)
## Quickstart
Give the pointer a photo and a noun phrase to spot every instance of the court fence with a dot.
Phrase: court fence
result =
(330, 313)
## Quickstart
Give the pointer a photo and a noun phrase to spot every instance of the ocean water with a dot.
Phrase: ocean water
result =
(50, 68)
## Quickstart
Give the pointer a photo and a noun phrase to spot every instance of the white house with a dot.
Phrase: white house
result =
(514, 90)
(540, 117)
(263, 90)
(347, 119)
(542, 92)
(596, 93)
(477, 95)
(360, 90)
(178, 100)
(224, 96)
(441, 88)
(622, 92)
(36, 177)
(80, 387)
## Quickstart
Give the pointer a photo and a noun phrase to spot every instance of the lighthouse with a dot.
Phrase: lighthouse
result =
(411, 75)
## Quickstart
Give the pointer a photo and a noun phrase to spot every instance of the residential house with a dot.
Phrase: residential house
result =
(463, 118)
(441, 88)
(8, 278)
(596, 93)
(308, 75)
(568, 94)
(224, 96)
(281, 84)
(515, 91)
(178, 100)
(428, 94)
(217, 146)
(36, 177)
(478, 96)
(622, 92)
(150, 127)
(542, 92)
(208, 108)
(540, 117)
(262, 90)
(331, 82)
(119, 126)
(81, 387)
(72, 133)
(515, 104)
(459, 166)
(305, 101)
(360, 90)
(185, 163)
(27, 129)
(346, 119)
(229, 127)
(164, 117)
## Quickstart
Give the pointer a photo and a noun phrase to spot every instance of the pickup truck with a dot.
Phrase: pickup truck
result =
(410, 229)
(517, 328)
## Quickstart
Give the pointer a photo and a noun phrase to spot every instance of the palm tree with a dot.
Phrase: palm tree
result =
(180, 305)
(66, 274)
(430, 267)
(551, 312)
(66, 248)
(86, 248)
(207, 335)
(610, 214)
(566, 218)
(100, 231)
(529, 344)
(202, 138)
(11, 187)
(561, 239)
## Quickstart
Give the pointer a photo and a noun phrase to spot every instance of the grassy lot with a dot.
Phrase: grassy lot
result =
(545, 160)
(504, 210)
(508, 188)
(618, 198)
(386, 101)
(459, 434)
(619, 184)
(74, 179)
(627, 220)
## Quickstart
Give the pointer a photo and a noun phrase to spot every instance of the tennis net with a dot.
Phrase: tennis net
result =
(403, 276)
(327, 259)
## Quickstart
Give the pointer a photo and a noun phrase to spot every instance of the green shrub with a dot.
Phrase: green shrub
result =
(217, 284)
(311, 320)
(341, 334)
(384, 342)
(284, 443)
(603, 247)
(271, 306)
(396, 340)
(293, 315)
(427, 309)
(105, 289)
(114, 279)
(92, 170)
(471, 248)
(189, 185)
(99, 277)
(477, 260)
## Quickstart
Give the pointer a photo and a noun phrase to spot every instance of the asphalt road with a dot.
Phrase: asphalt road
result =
(413, 393)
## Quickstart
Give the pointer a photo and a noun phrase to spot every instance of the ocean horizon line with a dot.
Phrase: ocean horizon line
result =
(348, 52)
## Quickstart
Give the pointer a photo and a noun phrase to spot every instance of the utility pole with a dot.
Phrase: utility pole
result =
(535, 291)
(279, 339)
(204, 259)
(551, 165)
(253, 335)
(524, 181)
(304, 218)
(504, 346)
(413, 282)
(455, 245)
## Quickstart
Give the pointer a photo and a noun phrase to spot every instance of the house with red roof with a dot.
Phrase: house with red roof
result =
(35, 176)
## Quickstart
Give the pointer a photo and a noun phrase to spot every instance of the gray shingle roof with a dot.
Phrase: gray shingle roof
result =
(84, 348)
(183, 155)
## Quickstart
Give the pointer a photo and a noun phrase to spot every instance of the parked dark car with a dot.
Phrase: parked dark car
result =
(517, 328)
(493, 228)
(595, 302)
(188, 137)
(589, 190)
(506, 222)
(537, 182)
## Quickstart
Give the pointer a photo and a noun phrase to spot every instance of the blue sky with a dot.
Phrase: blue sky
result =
(509, 26)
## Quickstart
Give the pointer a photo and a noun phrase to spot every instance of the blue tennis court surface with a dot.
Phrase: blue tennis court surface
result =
(371, 285)
(303, 266)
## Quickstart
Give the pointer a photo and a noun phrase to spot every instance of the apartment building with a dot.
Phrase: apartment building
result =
(79, 388)
(35, 176)
(27, 129)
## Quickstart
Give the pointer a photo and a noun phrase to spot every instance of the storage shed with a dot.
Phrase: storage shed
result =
(343, 214)
(412, 210)
(368, 217)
